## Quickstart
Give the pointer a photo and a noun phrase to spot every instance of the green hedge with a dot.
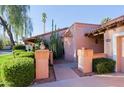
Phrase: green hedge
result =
(26, 54)
(18, 72)
(103, 65)
(22, 53)
(18, 52)
(19, 47)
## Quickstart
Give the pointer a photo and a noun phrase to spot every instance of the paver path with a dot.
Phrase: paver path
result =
(111, 80)
(64, 71)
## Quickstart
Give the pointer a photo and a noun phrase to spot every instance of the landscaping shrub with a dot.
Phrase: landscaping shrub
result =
(26, 54)
(18, 52)
(22, 53)
(18, 72)
(19, 47)
(103, 65)
(1, 83)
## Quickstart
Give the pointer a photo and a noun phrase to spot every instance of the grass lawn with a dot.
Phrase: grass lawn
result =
(2, 60)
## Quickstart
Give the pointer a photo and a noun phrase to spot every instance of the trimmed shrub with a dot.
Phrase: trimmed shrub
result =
(103, 65)
(18, 72)
(26, 54)
(18, 52)
(19, 47)
(1, 83)
(22, 53)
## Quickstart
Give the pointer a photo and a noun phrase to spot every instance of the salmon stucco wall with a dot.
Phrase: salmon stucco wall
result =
(86, 42)
(114, 46)
(110, 41)
(69, 47)
(79, 40)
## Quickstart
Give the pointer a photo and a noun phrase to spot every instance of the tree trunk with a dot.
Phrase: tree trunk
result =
(10, 36)
(8, 29)
(44, 27)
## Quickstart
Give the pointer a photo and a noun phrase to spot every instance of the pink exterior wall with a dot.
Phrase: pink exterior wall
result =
(109, 44)
(115, 47)
(79, 40)
(86, 42)
(69, 47)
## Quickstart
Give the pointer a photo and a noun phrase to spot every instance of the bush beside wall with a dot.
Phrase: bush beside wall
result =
(103, 65)
(26, 54)
(19, 47)
(22, 53)
(18, 52)
(18, 72)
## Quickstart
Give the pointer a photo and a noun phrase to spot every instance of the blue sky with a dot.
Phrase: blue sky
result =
(66, 15)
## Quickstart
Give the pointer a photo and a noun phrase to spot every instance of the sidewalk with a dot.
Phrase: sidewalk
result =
(5, 52)
(111, 80)
(64, 71)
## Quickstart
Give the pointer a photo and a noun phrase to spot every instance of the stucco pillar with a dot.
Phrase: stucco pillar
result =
(42, 64)
(85, 57)
(118, 63)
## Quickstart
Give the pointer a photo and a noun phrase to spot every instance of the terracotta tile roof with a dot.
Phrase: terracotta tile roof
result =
(109, 24)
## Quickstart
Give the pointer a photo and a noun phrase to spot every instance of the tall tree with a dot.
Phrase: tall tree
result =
(52, 24)
(105, 20)
(55, 27)
(44, 17)
(14, 19)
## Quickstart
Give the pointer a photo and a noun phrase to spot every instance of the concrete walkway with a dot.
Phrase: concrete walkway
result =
(110, 80)
(64, 71)
(66, 77)
(5, 52)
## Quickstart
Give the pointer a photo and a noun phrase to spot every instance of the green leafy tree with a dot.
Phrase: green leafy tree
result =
(44, 17)
(14, 18)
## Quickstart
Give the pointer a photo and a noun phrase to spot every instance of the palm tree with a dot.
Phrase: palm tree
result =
(15, 20)
(105, 20)
(44, 16)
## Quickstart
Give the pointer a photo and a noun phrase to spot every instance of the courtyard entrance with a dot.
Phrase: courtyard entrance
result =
(63, 70)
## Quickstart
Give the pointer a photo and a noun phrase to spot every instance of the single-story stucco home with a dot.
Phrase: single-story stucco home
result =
(107, 38)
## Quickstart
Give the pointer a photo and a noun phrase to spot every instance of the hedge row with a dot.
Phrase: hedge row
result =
(103, 65)
(22, 53)
(18, 72)
(19, 47)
